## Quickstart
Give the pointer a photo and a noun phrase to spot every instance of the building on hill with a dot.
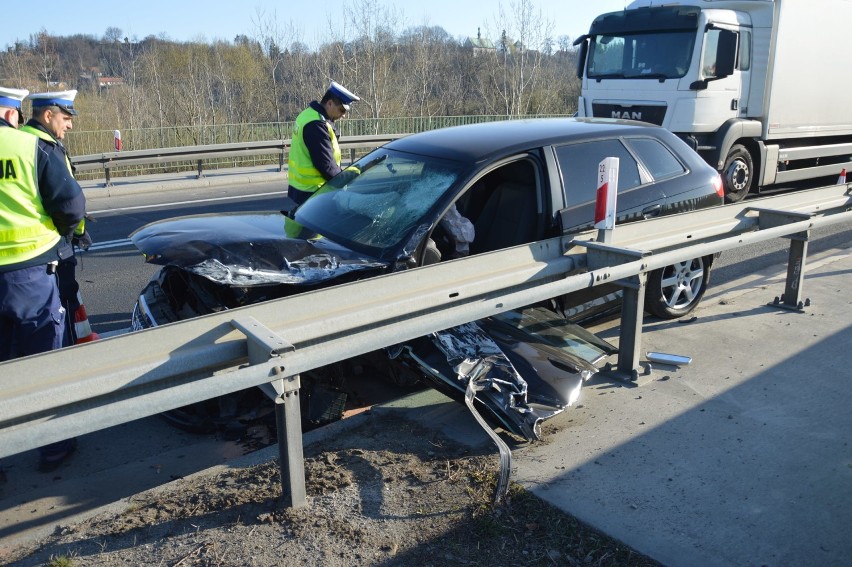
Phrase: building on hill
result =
(479, 45)
(93, 80)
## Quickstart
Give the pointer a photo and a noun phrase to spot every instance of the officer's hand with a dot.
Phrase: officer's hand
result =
(82, 241)
(347, 175)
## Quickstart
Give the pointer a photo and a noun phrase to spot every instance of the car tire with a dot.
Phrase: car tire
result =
(738, 174)
(675, 291)
(195, 418)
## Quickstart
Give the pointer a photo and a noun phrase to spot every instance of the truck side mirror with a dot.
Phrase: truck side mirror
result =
(725, 61)
(726, 53)
(581, 57)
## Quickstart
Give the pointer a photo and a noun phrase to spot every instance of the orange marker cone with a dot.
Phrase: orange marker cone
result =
(842, 179)
(82, 328)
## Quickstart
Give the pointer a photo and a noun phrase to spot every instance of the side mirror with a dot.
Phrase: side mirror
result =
(726, 53)
(725, 59)
(581, 58)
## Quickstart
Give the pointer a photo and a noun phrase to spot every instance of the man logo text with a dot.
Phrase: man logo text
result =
(627, 115)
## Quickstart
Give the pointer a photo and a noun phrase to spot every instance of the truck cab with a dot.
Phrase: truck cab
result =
(735, 79)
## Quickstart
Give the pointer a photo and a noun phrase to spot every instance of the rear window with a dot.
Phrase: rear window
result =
(658, 159)
(578, 164)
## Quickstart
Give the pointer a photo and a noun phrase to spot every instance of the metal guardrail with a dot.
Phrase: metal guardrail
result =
(81, 142)
(109, 161)
(127, 377)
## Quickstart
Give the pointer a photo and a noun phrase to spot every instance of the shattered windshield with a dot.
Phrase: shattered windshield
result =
(659, 55)
(374, 205)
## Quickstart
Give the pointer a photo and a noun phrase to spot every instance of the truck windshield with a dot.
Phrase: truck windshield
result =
(660, 55)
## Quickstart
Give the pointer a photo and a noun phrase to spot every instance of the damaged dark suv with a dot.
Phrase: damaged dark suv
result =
(437, 196)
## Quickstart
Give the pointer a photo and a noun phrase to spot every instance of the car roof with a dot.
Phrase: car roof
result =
(487, 140)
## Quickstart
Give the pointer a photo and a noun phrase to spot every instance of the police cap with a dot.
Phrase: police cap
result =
(342, 94)
(63, 99)
(11, 98)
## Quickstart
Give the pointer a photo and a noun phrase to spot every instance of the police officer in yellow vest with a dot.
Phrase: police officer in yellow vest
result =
(40, 203)
(314, 152)
(52, 116)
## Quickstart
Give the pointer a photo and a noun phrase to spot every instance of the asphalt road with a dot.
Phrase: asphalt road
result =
(112, 272)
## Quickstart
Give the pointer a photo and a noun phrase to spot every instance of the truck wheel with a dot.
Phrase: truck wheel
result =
(737, 174)
(674, 291)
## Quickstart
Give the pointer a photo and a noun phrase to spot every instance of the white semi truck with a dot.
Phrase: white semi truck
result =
(761, 89)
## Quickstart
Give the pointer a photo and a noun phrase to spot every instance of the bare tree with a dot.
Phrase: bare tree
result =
(374, 51)
(514, 75)
(301, 79)
(427, 70)
(16, 66)
(48, 61)
(113, 34)
(152, 77)
(273, 37)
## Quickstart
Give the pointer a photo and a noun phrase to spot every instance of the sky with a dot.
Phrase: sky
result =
(225, 19)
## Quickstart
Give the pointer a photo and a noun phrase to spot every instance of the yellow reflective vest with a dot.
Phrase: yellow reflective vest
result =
(302, 174)
(47, 138)
(26, 230)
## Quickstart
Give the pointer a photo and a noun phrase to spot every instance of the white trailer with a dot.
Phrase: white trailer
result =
(760, 88)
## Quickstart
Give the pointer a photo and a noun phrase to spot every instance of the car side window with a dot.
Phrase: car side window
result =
(501, 209)
(578, 165)
(657, 158)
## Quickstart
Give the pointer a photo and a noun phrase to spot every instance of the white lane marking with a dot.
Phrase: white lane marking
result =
(108, 244)
(208, 200)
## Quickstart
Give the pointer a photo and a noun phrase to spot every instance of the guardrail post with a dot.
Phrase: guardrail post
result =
(602, 256)
(291, 459)
(263, 345)
(107, 181)
(288, 425)
(630, 331)
(200, 169)
(791, 299)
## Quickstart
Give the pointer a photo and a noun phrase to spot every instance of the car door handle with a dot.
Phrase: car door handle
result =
(652, 211)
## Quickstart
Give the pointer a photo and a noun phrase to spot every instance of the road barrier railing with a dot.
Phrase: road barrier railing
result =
(110, 161)
(84, 388)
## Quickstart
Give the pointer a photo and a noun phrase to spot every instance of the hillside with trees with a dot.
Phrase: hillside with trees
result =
(421, 71)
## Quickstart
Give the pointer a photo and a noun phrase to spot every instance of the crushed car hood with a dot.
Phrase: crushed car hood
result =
(247, 249)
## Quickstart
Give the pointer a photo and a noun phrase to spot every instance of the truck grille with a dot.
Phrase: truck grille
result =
(645, 113)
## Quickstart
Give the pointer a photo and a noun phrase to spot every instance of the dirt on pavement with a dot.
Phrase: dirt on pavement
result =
(375, 497)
